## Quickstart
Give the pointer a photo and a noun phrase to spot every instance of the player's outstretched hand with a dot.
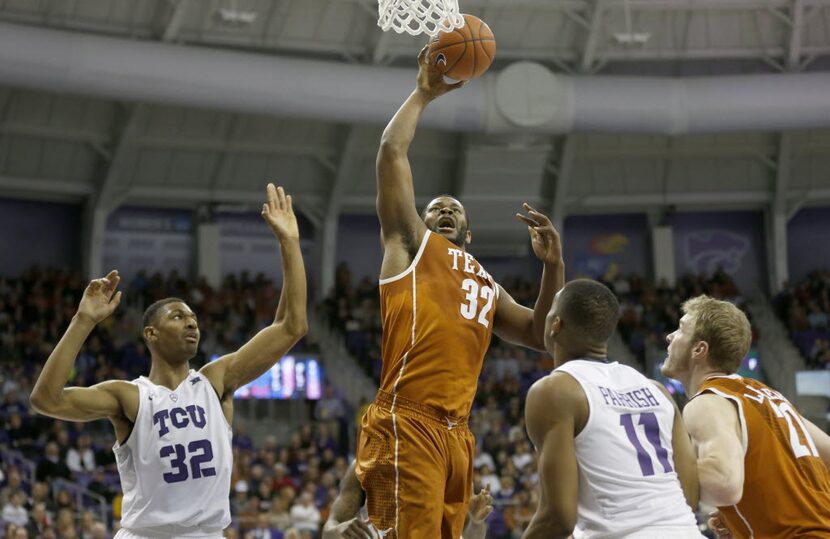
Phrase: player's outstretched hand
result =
(481, 505)
(351, 529)
(547, 246)
(717, 525)
(100, 298)
(430, 81)
(278, 212)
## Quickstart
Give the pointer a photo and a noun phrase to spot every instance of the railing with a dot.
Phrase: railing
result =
(781, 359)
(84, 499)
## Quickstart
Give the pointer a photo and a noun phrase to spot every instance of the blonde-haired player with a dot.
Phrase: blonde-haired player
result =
(759, 461)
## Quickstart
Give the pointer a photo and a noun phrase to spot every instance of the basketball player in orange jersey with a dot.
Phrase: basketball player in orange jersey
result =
(760, 462)
(439, 308)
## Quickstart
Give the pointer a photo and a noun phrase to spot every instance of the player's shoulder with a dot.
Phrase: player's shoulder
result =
(555, 391)
(705, 408)
(118, 387)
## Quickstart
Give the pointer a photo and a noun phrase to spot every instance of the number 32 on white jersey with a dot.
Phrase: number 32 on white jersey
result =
(470, 307)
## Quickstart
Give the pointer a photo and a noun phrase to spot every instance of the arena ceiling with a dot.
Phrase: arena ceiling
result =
(110, 152)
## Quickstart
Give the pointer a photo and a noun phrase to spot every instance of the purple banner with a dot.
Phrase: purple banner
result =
(807, 243)
(149, 239)
(733, 241)
(358, 245)
(597, 244)
(39, 233)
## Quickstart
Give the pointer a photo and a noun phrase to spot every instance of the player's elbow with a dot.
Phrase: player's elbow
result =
(42, 403)
(391, 147)
(296, 326)
(551, 524)
(725, 491)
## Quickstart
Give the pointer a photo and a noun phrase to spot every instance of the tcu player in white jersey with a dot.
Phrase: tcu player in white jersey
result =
(614, 458)
(173, 430)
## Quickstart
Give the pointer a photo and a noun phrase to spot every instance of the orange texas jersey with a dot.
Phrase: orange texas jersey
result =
(437, 323)
(786, 485)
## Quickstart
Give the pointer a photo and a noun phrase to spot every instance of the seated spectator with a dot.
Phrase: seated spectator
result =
(14, 511)
(65, 524)
(99, 531)
(51, 466)
(14, 484)
(81, 458)
(22, 435)
(263, 529)
(64, 501)
(488, 479)
(86, 524)
(278, 517)
(40, 520)
(99, 485)
(40, 494)
(304, 515)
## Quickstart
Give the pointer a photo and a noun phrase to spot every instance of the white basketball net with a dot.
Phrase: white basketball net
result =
(419, 16)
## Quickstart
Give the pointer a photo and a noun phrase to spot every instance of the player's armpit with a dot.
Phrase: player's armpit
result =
(514, 323)
(107, 400)
(685, 461)
(713, 424)
(234, 370)
(821, 439)
(552, 414)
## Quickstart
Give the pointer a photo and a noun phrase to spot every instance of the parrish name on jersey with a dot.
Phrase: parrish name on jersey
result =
(637, 398)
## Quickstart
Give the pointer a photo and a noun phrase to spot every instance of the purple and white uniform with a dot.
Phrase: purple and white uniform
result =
(628, 487)
(175, 466)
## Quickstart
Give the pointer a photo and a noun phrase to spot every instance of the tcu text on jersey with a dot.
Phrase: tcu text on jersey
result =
(179, 418)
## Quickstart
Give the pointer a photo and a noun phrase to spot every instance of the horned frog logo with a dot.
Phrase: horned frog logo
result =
(709, 250)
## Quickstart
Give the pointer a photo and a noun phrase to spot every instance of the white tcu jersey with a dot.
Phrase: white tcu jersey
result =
(175, 466)
(627, 483)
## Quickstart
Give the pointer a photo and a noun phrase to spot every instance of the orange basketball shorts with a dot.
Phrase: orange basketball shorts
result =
(416, 466)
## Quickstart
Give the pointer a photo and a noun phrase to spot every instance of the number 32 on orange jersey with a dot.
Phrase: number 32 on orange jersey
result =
(474, 292)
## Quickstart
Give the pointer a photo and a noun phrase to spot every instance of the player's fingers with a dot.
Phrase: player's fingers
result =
(456, 85)
(526, 220)
(423, 54)
(360, 530)
(281, 198)
(113, 284)
(537, 215)
(266, 211)
(290, 203)
(116, 300)
(272, 195)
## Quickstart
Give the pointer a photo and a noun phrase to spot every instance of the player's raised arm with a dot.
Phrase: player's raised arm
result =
(399, 219)
(104, 400)
(712, 422)
(552, 415)
(290, 322)
(344, 521)
(516, 323)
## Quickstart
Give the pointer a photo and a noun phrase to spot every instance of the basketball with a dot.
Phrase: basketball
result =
(466, 52)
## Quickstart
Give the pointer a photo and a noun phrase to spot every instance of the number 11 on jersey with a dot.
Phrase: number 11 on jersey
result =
(652, 430)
